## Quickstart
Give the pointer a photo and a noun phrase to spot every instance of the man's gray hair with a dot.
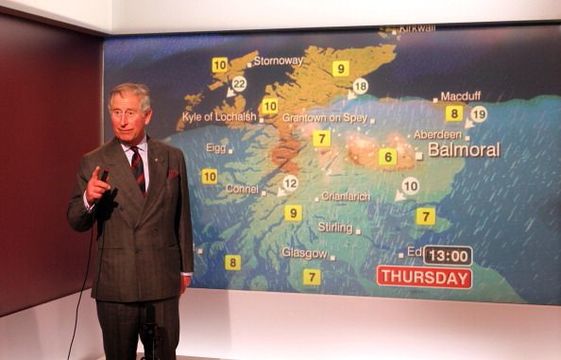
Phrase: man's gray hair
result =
(140, 90)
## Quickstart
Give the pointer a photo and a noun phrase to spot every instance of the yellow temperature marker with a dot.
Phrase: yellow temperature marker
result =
(454, 113)
(340, 68)
(233, 262)
(219, 64)
(311, 277)
(209, 176)
(321, 138)
(425, 216)
(293, 213)
(387, 156)
(269, 106)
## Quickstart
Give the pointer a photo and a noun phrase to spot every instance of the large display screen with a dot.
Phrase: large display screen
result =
(410, 161)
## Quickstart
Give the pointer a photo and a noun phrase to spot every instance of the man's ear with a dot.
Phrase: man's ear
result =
(147, 117)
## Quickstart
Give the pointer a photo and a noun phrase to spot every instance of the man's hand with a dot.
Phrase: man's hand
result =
(95, 188)
(185, 283)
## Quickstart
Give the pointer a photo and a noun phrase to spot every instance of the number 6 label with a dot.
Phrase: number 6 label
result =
(387, 156)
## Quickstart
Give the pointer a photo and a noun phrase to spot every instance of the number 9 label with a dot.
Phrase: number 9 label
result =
(293, 213)
(340, 68)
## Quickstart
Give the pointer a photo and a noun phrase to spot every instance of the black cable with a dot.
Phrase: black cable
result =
(81, 291)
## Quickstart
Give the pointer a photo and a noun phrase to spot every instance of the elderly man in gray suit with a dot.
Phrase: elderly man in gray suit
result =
(135, 189)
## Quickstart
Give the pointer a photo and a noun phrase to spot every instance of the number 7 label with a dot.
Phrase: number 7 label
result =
(321, 138)
(425, 216)
(312, 277)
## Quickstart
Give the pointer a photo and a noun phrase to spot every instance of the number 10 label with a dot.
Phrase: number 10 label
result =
(219, 64)
(209, 176)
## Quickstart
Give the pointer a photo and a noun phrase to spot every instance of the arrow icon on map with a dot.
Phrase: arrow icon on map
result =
(351, 95)
(231, 92)
(281, 192)
(469, 124)
(399, 196)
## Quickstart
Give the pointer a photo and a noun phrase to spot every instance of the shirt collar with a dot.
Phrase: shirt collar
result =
(142, 145)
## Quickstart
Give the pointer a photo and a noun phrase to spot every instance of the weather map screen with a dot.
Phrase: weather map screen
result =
(411, 161)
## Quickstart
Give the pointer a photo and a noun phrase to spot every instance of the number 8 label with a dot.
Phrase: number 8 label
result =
(454, 113)
(233, 262)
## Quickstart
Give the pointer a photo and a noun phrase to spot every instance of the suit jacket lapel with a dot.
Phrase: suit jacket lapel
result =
(122, 181)
(158, 165)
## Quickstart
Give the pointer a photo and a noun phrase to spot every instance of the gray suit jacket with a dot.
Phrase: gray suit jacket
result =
(143, 243)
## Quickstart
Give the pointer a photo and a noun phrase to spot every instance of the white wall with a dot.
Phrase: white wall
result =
(147, 16)
(90, 14)
(260, 325)
(156, 16)
(44, 332)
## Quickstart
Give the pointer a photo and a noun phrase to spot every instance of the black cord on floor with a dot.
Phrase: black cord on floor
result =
(81, 291)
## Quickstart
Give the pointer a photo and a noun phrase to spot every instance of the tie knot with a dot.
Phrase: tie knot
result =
(134, 149)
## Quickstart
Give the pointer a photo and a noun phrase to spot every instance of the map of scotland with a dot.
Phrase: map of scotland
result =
(388, 162)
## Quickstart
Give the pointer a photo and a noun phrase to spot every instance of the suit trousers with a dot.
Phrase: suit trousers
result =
(122, 324)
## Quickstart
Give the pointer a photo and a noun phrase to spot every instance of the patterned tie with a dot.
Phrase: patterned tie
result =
(138, 170)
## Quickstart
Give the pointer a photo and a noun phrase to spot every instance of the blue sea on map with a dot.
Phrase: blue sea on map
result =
(507, 209)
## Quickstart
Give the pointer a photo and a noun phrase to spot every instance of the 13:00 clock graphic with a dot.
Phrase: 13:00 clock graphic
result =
(447, 255)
